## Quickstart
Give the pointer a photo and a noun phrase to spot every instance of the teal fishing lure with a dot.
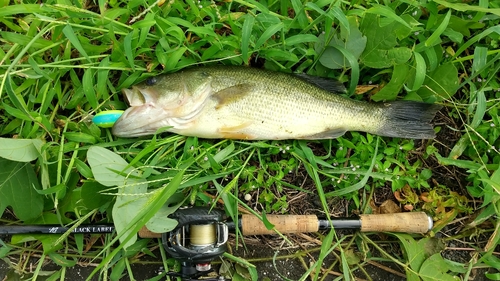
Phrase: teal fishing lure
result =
(106, 119)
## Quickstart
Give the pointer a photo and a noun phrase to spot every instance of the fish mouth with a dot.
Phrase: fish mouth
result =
(143, 117)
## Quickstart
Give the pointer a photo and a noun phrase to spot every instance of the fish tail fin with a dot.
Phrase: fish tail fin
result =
(409, 119)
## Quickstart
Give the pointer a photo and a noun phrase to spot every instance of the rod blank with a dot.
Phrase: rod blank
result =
(55, 229)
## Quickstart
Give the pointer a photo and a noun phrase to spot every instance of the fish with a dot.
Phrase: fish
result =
(238, 102)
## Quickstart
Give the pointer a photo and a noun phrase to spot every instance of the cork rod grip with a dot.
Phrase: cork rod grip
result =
(252, 225)
(416, 222)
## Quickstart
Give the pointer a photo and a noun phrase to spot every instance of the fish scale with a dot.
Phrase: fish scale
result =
(248, 103)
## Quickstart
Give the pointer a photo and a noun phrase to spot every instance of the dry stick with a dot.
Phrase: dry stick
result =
(388, 269)
(466, 249)
(309, 238)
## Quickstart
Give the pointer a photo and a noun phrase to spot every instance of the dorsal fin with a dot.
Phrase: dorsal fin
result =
(327, 84)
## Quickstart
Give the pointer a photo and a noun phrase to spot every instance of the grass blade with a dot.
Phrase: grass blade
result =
(343, 21)
(21, 9)
(268, 33)
(465, 7)
(480, 58)
(387, 12)
(246, 33)
(127, 46)
(475, 39)
(435, 39)
(88, 88)
(300, 14)
(70, 34)
(480, 109)
(420, 71)
(354, 68)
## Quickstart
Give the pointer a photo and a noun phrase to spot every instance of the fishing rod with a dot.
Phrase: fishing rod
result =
(202, 233)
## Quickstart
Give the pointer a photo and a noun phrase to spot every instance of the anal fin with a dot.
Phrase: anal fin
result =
(236, 132)
(327, 134)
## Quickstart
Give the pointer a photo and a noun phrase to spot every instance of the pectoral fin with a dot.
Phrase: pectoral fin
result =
(327, 134)
(231, 94)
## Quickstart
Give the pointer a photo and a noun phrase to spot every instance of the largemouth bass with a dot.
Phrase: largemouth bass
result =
(247, 103)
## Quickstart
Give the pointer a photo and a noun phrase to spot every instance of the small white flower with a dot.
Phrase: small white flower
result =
(417, 33)
(192, 147)
(492, 124)
(341, 148)
(205, 158)
(479, 79)
(414, 13)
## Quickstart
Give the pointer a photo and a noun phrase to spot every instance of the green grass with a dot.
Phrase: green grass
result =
(63, 61)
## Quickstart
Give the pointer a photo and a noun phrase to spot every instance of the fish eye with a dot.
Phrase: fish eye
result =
(151, 81)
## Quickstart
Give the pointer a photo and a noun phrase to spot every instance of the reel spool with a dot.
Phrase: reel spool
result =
(200, 236)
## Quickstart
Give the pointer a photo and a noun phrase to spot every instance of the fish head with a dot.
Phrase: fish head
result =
(171, 100)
